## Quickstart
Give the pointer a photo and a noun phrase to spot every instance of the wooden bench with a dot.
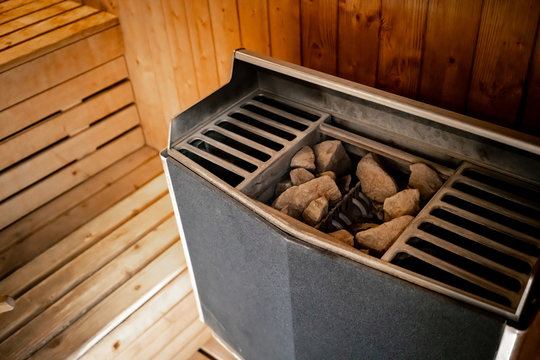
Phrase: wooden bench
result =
(89, 247)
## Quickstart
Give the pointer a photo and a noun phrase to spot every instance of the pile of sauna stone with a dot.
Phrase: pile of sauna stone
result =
(321, 176)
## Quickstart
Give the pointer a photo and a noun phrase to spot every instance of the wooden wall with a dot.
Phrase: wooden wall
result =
(478, 57)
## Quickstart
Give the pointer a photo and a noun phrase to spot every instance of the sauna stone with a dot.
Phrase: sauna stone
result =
(281, 186)
(343, 236)
(315, 211)
(330, 155)
(375, 182)
(425, 179)
(305, 158)
(380, 238)
(328, 173)
(300, 176)
(405, 202)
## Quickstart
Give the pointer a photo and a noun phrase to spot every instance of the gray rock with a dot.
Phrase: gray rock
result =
(330, 155)
(380, 238)
(344, 183)
(281, 186)
(425, 179)
(375, 182)
(315, 211)
(328, 173)
(305, 158)
(300, 176)
(406, 202)
(343, 236)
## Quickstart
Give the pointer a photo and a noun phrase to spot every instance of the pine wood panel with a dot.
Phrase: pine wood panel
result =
(319, 35)
(21, 82)
(186, 342)
(28, 248)
(254, 25)
(134, 326)
(400, 48)
(25, 9)
(34, 17)
(226, 32)
(216, 350)
(451, 32)
(498, 77)
(11, 4)
(284, 18)
(358, 42)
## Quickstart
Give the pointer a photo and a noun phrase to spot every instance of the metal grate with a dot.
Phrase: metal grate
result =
(479, 236)
(241, 143)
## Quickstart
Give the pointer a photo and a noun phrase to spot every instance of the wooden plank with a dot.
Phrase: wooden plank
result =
(131, 328)
(11, 4)
(35, 17)
(181, 53)
(358, 40)
(163, 331)
(30, 199)
(65, 124)
(42, 27)
(253, 17)
(187, 342)
(26, 9)
(76, 147)
(142, 74)
(89, 329)
(104, 298)
(30, 247)
(88, 262)
(60, 97)
(400, 47)
(199, 356)
(319, 35)
(200, 32)
(447, 58)
(530, 118)
(55, 39)
(96, 229)
(43, 220)
(226, 31)
(503, 51)
(21, 82)
(216, 350)
(284, 20)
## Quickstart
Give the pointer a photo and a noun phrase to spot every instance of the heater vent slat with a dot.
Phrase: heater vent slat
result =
(479, 234)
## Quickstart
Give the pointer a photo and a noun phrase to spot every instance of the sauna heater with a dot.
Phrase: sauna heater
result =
(461, 280)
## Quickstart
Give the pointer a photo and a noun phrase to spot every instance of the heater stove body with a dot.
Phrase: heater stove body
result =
(273, 288)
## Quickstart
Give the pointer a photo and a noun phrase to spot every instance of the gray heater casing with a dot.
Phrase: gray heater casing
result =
(271, 295)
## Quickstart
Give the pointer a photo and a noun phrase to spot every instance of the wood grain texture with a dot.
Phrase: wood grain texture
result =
(20, 11)
(503, 52)
(400, 49)
(358, 41)
(319, 35)
(254, 25)
(204, 54)
(530, 121)
(285, 37)
(226, 31)
(447, 59)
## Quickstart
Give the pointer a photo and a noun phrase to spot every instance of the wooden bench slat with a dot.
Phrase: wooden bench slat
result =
(216, 350)
(103, 300)
(45, 26)
(30, 247)
(162, 331)
(23, 81)
(11, 4)
(43, 219)
(131, 328)
(61, 97)
(65, 124)
(96, 229)
(59, 283)
(34, 17)
(30, 199)
(65, 152)
(54, 39)
(199, 356)
(186, 342)
(26, 9)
